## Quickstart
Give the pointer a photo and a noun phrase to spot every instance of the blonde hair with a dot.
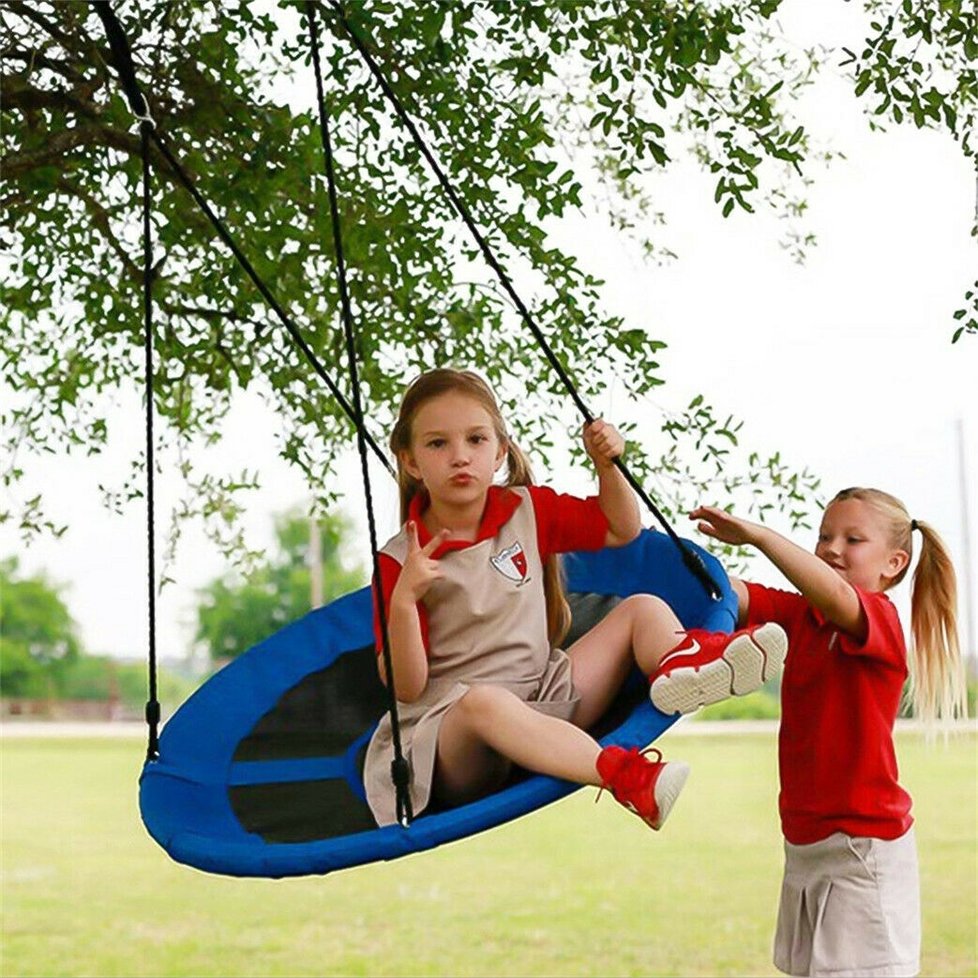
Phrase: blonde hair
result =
(435, 383)
(937, 687)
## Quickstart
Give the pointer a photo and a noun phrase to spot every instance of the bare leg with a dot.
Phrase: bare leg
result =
(489, 728)
(641, 629)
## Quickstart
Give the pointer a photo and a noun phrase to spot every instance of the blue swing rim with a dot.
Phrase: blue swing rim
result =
(199, 769)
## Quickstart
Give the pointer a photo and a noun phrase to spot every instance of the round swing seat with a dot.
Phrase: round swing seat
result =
(259, 772)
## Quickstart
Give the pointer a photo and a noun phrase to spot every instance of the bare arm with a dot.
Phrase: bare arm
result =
(409, 657)
(615, 496)
(820, 584)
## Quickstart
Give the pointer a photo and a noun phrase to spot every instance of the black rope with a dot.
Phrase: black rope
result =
(124, 65)
(123, 62)
(270, 299)
(692, 560)
(399, 768)
(122, 58)
(137, 102)
(152, 704)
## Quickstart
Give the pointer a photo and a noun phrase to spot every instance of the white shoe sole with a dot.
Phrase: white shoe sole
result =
(667, 788)
(748, 662)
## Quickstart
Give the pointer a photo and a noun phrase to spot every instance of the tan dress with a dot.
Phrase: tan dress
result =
(486, 624)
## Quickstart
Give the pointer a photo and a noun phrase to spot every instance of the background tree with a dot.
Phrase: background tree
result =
(38, 638)
(235, 613)
(102, 678)
(536, 109)
(43, 657)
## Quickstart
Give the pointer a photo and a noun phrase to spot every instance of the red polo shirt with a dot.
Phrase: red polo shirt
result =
(564, 523)
(839, 701)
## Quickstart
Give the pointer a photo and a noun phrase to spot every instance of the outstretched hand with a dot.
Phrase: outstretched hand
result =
(420, 569)
(723, 526)
(603, 443)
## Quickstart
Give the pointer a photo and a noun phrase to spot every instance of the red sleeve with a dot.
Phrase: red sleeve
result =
(770, 604)
(567, 523)
(390, 571)
(884, 637)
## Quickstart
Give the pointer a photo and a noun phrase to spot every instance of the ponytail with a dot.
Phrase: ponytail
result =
(519, 473)
(938, 688)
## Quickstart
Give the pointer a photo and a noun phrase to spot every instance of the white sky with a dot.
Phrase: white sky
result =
(844, 364)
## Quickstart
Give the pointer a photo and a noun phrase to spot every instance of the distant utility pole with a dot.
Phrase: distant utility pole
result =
(314, 558)
(971, 639)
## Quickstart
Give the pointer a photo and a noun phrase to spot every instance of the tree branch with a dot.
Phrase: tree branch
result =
(26, 98)
(209, 314)
(102, 221)
(60, 143)
(29, 12)
(32, 58)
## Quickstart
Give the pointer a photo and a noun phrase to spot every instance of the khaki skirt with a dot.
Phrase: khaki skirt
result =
(420, 722)
(850, 906)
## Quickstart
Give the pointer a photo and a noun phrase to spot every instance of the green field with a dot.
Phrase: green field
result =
(575, 889)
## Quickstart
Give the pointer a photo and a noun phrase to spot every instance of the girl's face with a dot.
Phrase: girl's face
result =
(854, 541)
(454, 449)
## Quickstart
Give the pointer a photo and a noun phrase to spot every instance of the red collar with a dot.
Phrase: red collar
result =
(501, 503)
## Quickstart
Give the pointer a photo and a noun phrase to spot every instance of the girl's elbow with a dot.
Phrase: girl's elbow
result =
(621, 538)
(404, 690)
(844, 609)
(408, 689)
(408, 694)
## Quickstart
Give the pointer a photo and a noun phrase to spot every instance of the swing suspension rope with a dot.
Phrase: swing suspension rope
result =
(126, 70)
(122, 57)
(123, 61)
(152, 703)
(691, 559)
(400, 773)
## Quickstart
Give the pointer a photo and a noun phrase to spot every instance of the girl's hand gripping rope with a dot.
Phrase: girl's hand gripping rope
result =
(603, 443)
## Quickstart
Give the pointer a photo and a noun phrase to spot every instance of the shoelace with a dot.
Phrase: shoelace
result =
(628, 763)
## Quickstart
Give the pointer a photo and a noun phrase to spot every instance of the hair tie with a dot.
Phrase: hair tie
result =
(914, 525)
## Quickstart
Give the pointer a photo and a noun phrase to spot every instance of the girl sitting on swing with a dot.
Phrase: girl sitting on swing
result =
(476, 613)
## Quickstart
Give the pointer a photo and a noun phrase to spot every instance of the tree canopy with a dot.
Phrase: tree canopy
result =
(536, 109)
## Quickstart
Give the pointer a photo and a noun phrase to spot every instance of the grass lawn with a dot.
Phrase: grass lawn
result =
(575, 889)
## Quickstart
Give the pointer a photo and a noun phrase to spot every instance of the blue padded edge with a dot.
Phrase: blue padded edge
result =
(183, 794)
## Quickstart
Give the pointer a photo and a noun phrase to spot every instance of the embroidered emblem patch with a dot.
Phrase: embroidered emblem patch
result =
(511, 563)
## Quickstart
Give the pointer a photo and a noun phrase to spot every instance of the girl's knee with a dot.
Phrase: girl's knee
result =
(483, 699)
(644, 608)
(482, 708)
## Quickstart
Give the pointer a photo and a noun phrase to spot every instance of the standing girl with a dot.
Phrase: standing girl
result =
(850, 900)
(475, 614)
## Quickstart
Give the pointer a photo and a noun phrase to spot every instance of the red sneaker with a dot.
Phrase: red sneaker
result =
(647, 788)
(707, 667)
